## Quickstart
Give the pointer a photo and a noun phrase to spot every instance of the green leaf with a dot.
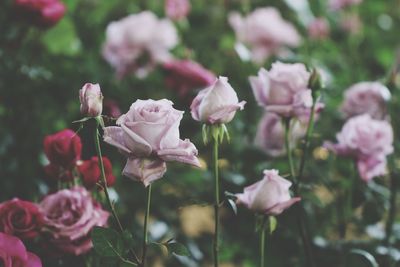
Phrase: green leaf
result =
(128, 239)
(273, 223)
(358, 257)
(177, 248)
(82, 120)
(107, 242)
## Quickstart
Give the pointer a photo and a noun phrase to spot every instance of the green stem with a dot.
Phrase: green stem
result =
(289, 150)
(262, 246)
(146, 223)
(392, 208)
(217, 202)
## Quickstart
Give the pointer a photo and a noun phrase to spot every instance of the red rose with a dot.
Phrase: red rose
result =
(91, 172)
(42, 12)
(20, 218)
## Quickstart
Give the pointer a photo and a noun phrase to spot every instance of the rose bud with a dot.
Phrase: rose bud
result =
(217, 103)
(91, 100)
(270, 196)
(20, 218)
(14, 254)
(91, 174)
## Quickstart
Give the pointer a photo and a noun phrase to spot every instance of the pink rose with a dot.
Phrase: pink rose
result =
(148, 134)
(265, 32)
(340, 4)
(186, 75)
(368, 141)
(269, 196)
(217, 103)
(318, 28)
(13, 253)
(91, 100)
(42, 12)
(138, 42)
(284, 90)
(351, 23)
(366, 98)
(177, 9)
(70, 215)
(271, 134)
(20, 218)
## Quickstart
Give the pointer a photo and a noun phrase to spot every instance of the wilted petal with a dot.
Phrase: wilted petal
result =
(186, 152)
(144, 170)
(280, 207)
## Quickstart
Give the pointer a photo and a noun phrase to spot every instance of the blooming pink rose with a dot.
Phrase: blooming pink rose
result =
(177, 9)
(13, 253)
(271, 134)
(366, 98)
(138, 42)
(340, 4)
(318, 28)
(217, 103)
(148, 134)
(186, 75)
(265, 32)
(269, 196)
(91, 100)
(284, 90)
(20, 218)
(42, 12)
(91, 173)
(368, 141)
(70, 215)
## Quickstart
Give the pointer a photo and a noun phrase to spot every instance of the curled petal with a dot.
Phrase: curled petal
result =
(226, 112)
(114, 136)
(280, 207)
(33, 261)
(136, 144)
(144, 170)
(186, 152)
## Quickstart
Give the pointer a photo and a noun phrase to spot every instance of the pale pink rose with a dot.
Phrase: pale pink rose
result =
(91, 100)
(351, 23)
(265, 32)
(70, 215)
(366, 98)
(284, 90)
(366, 140)
(138, 42)
(217, 103)
(318, 28)
(340, 4)
(270, 135)
(13, 253)
(149, 135)
(269, 196)
(177, 9)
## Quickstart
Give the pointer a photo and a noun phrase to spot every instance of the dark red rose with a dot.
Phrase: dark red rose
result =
(63, 148)
(58, 173)
(20, 218)
(42, 12)
(186, 75)
(91, 172)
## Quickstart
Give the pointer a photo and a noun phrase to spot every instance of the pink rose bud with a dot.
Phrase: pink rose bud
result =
(366, 140)
(265, 32)
(366, 98)
(148, 134)
(217, 103)
(318, 28)
(91, 100)
(14, 254)
(177, 9)
(269, 196)
(340, 4)
(70, 215)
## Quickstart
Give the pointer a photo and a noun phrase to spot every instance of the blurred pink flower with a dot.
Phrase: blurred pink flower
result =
(351, 23)
(318, 28)
(217, 103)
(340, 4)
(148, 134)
(269, 196)
(139, 42)
(70, 215)
(111, 108)
(366, 98)
(13, 253)
(368, 141)
(177, 9)
(186, 75)
(91, 100)
(265, 32)
(42, 12)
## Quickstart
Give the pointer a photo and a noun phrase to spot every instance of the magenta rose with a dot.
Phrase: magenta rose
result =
(138, 42)
(91, 174)
(217, 103)
(42, 12)
(270, 196)
(13, 253)
(185, 76)
(70, 215)
(318, 28)
(366, 140)
(91, 100)
(20, 218)
(265, 32)
(148, 134)
(366, 98)
(177, 9)
(270, 135)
